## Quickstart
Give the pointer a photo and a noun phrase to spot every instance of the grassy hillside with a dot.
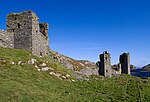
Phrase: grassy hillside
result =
(24, 83)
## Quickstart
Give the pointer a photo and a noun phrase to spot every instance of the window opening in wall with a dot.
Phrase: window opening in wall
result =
(19, 25)
(41, 54)
(12, 30)
(105, 58)
(7, 25)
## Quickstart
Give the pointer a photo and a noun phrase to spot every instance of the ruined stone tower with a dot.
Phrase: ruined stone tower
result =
(125, 63)
(105, 64)
(29, 34)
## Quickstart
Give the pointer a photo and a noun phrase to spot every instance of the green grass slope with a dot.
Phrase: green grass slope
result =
(24, 83)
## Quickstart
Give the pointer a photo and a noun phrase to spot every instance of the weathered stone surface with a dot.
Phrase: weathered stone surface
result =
(75, 65)
(32, 61)
(125, 63)
(6, 39)
(88, 71)
(105, 65)
(25, 32)
(146, 68)
(55, 74)
(19, 62)
(116, 69)
(43, 65)
(45, 69)
(67, 75)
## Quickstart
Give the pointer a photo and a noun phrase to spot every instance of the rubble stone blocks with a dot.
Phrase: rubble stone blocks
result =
(105, 65)
(125, 63)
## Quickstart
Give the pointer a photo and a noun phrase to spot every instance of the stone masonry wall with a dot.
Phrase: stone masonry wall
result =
(6, 39)
(105, 65)
(125, 63)
(21, 25)
(39, 37)
(29, 34)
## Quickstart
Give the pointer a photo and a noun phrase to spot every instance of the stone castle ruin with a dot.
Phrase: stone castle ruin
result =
(105, 68)
(125, 63)
(105, 65)
(25, 32)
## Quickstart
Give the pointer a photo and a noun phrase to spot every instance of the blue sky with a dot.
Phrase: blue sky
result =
(83, 29)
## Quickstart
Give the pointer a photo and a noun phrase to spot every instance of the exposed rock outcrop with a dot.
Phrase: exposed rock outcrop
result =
(146, 68)
(82, 67)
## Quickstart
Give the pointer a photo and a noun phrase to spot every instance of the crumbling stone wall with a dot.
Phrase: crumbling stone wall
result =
(6, 39)
(125, 63)
(44, 29)
(29, 34)
(21, 25)
(116, 69)
(39, 37)
(107, 70)
(105, 65)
